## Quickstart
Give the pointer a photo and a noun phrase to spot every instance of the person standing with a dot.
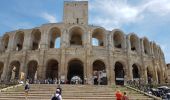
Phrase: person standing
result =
(27, 87)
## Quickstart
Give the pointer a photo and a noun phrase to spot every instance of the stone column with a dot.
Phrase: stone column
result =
(44, 39)
(89, 66)
(41, 69)
(11, 42)
(23, 71)
(129, 67)
(145, 76)
(27, 40)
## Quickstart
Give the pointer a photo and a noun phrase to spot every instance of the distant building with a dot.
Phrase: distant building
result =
(31, 53)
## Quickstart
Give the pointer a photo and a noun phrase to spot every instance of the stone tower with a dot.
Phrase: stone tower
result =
(76, 12)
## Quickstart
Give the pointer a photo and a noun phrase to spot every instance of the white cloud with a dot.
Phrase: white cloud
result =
(160, 7)
(115, 13)
(49, 17)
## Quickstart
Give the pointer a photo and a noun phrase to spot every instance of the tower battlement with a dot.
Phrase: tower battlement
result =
(76, 12)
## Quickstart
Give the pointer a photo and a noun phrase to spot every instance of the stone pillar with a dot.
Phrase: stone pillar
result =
(129, 67)
(44, 39)
(11, 42)
(142, 47)
(23, 71)
(41, 70)
(63, 62)
(145, 76)
(27, 40)
(110, 70)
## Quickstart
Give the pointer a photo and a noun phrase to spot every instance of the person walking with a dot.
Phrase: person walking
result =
(27, 87)
(57, 95)
(125, 97)
(118, 95)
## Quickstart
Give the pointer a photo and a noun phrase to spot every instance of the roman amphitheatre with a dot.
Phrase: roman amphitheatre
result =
(83, 49)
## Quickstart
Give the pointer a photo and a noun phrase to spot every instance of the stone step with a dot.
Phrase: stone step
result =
(70, 92)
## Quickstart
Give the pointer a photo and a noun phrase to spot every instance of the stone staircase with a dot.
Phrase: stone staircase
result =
(70, 92)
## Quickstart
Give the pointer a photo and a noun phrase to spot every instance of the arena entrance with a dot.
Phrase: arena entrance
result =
(135, 71)
(75, 73)
(32, 71)
(119, 74)
(52, 70)
(99, 73)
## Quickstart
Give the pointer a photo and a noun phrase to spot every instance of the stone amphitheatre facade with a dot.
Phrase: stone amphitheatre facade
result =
(81, 49)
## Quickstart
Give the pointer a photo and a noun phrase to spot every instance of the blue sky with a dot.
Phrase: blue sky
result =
(150, 18)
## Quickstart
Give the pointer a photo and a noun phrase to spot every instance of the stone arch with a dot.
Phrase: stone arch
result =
(98, 37)
(52, 67)
(14, 69)
(1, 68)
(5, 42)
(54, 37)
(32, 70)
(136, 71)
(118, 39)
(134, 42)
(35, 39)
(99, 72)
(19, 40)
(75, 69)
(119, 73)
(146, 46)
(76, 35)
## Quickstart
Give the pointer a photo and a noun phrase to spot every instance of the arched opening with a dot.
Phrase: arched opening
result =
(135, 72)
(5, 42)
(118, 39)
(52, 70)
(35, 39)
(14, 71)
(134, 43)
(99, 73)
(98, 37)
(54, 41)
(1, 68)
(149, 75)
(146, 46)
(76, 36)
(32, 71)
(19, 40)
(75, 73)
(119, 74)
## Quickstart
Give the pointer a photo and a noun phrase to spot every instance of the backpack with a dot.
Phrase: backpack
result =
(55, 98)
(27, 87)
